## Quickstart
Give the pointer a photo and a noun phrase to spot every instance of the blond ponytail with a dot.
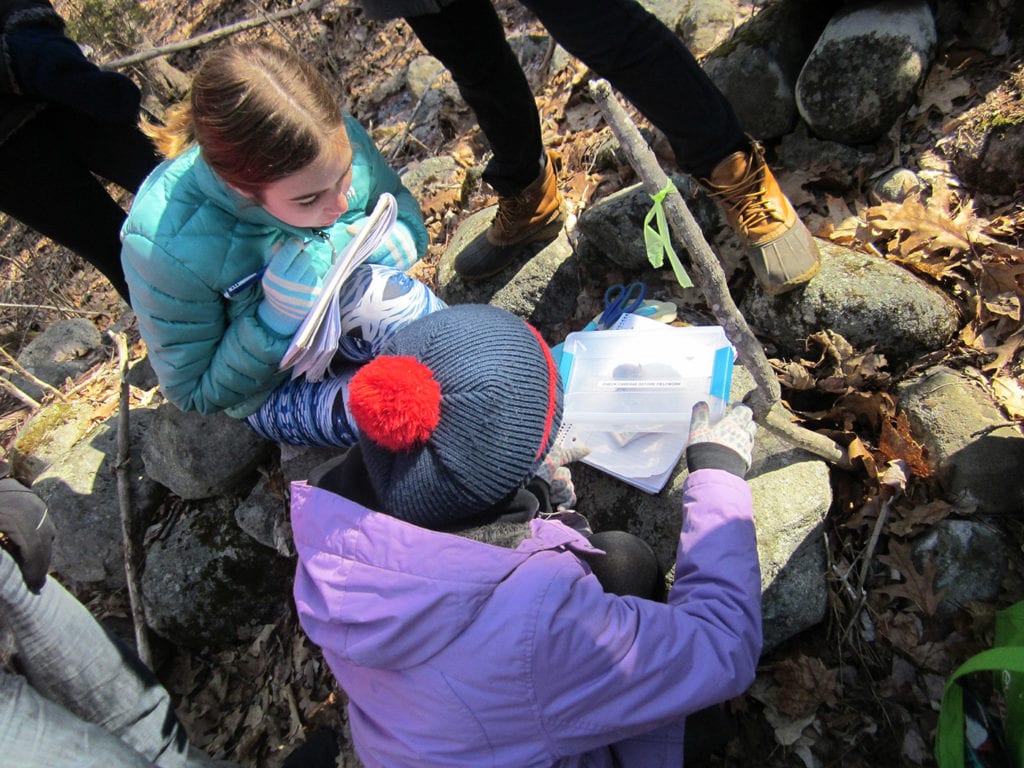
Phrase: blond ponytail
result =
(176, 134)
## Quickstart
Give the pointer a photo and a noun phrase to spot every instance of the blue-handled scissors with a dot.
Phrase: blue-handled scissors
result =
(620, 299)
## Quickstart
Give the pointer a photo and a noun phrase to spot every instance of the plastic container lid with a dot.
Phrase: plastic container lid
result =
(645, 380)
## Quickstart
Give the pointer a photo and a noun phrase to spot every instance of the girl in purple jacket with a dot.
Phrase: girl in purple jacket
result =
(469, 625)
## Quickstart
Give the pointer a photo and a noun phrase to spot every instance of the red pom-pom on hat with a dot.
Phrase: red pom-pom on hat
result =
(395, 401)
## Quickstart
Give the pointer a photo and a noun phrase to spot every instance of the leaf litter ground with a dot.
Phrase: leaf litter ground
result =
(861, 689)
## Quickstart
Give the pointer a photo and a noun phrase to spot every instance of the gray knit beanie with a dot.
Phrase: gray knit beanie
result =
(459, 409)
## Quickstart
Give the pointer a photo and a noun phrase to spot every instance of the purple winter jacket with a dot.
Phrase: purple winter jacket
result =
(453, 652)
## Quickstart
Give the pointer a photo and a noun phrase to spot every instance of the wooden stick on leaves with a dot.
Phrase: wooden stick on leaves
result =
(766, 399)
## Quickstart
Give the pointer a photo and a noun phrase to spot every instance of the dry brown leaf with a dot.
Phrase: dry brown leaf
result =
(869, 408)
(1009, 393)
(918, 586)
(897, 442)
(793, 375)
(1004, 351)
(805, 684)
(441, 199)
(582, 116)
(906, 521)
(942, 87)
(795, 186)
(842, 225)
(580, 187)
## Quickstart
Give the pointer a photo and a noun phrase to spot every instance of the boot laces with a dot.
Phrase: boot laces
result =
(511, 210)
(748, 199)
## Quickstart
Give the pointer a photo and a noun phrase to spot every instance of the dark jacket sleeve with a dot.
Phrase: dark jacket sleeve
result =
(50, 67)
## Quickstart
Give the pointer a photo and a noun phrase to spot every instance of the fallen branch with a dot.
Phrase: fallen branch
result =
(412, 120)
(209, 37)
(132, 537)
(765, 401)
(18, 368)
(52, 308)
(23, 397)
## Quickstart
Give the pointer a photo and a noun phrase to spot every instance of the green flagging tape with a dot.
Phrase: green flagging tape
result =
(658, 241)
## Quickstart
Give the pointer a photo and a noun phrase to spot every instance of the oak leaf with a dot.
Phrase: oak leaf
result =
(918, 586)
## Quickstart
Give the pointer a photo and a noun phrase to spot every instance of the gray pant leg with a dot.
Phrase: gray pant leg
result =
(70, 659)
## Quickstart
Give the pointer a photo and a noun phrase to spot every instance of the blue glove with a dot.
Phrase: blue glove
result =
(397, 248)
(290, 287)
(727, 444)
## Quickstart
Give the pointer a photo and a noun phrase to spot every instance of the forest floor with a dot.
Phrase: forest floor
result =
(861, 689)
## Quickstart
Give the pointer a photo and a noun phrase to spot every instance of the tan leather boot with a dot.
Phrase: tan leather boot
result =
(781, 249)
(536, 213)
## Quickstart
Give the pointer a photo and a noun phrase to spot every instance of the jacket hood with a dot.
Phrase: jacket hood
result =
(382, 593)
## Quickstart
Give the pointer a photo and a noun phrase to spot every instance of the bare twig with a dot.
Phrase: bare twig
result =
(21, 371)
(69, 310)
(869, 552)
(132, 539)
(412, 120)
(8, 387)
(869, 558)
(765, 401)
(209, 37)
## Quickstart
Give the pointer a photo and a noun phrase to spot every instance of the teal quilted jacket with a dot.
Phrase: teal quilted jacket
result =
(189, 236)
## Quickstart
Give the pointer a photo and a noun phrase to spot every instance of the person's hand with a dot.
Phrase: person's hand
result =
(26, 531)
(727, 444)
(397, 248)
(290, 287)
(554, 472)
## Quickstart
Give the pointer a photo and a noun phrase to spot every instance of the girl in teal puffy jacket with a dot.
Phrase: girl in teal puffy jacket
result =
(228, 241)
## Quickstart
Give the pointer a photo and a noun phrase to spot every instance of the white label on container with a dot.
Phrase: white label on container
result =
(640, 384)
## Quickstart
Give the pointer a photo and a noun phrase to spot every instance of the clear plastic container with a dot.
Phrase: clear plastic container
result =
(648, 380)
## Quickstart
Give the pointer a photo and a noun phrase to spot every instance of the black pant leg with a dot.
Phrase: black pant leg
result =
(118, 152)
(469, 39)
(46, 186)
(628, 565)
(644, 60)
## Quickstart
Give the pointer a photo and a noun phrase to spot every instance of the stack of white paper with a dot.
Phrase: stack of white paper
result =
(314, 344)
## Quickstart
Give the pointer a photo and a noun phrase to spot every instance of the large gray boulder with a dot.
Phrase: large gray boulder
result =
(613, 228)
(81, 492)
(198, 456)
(866, 68)
(985, 145)
(868, 301)
(65, 350)
(541, 287)
(208, 584)
(976, 454)
(757, 68)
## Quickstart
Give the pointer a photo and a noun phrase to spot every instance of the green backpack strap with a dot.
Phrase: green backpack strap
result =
(1007, 657)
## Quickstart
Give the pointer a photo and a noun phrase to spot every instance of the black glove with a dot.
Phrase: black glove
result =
(26, 531)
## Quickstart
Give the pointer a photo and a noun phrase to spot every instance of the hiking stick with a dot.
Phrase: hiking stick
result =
(765, 400)
(132, 539)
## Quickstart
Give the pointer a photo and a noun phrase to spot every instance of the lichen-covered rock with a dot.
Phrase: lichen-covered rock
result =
(207, 583)
(985, 146)
(65, 350)
(977, 456)
(757, 68)
(868, 301)
(865, 69)
(198, 456)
